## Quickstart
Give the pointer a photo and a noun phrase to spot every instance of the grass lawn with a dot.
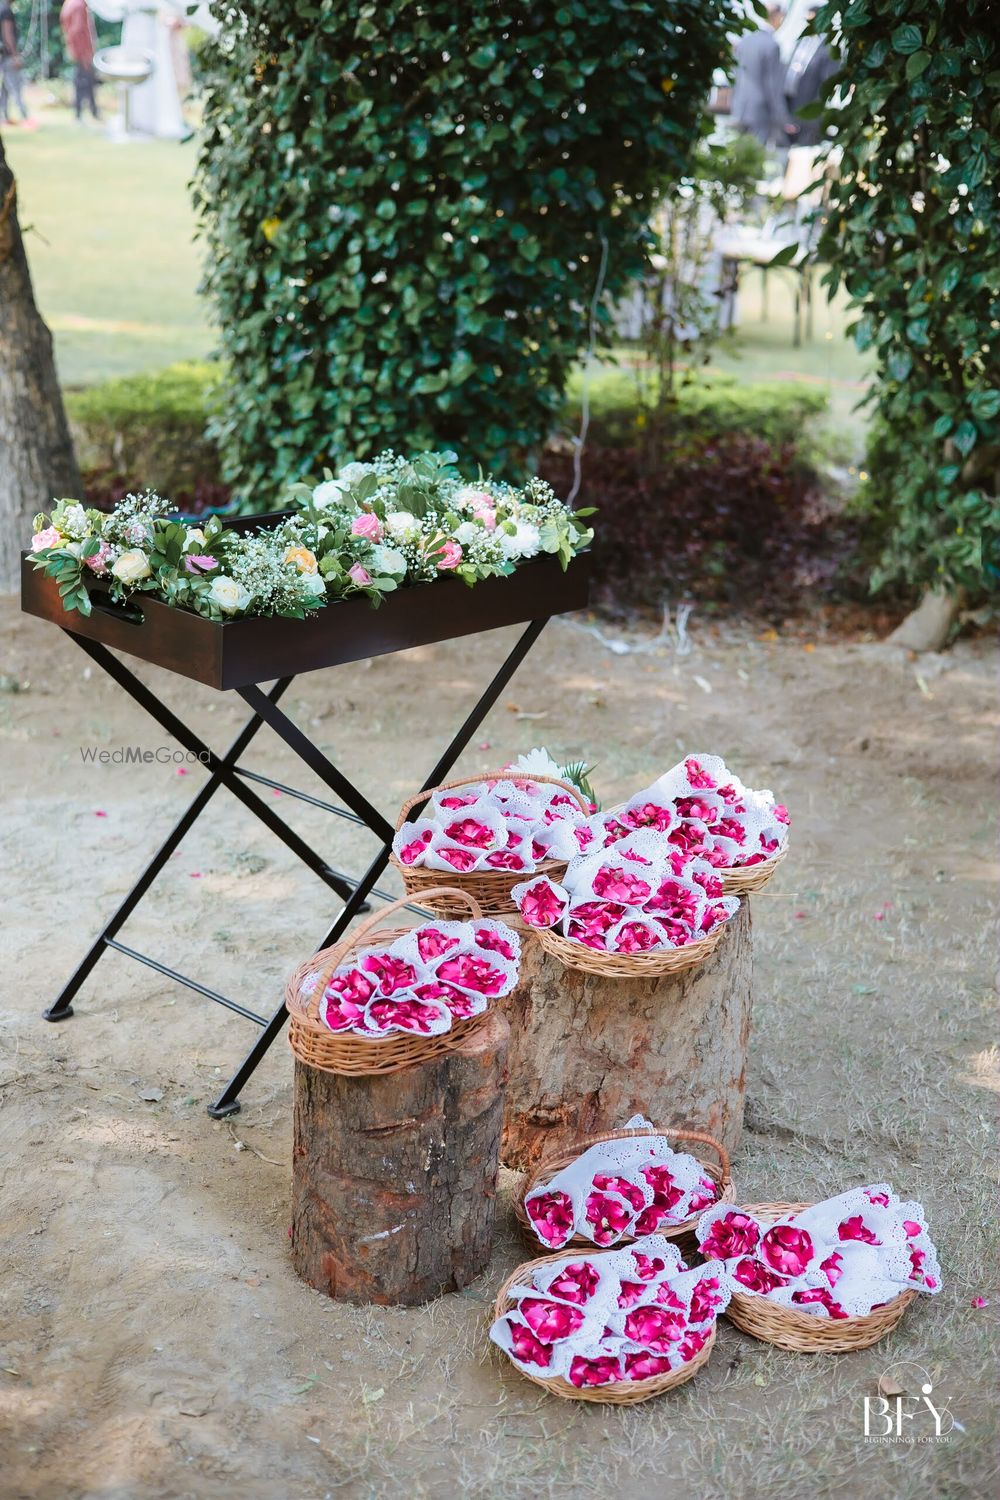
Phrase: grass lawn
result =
(116, 271)
(111, 246)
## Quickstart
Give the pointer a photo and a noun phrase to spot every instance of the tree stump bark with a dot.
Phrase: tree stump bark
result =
(394, 1178)
(586, 1053)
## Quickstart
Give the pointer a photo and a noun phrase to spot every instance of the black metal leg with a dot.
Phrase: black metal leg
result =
(228, 1101)
(224, 769)
(61, 1008)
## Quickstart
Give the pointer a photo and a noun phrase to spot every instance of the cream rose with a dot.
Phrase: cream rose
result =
(229, 595)
(132, 566)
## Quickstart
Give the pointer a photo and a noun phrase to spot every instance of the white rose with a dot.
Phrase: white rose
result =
(471, 498)
(353, 473)
(131, 566)
(402, 525)
(467, 532)
(194, 534)
(229, 595)
(313, 583)
(386, 560)
(330, 492)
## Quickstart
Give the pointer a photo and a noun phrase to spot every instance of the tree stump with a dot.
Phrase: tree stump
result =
(586, 1052)
(394, 1177)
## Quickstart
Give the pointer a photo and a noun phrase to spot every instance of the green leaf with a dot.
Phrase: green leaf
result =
(917, 63)
(964, 438)
(942, 427)
(785, 256)
(906, 39)
(985, 405)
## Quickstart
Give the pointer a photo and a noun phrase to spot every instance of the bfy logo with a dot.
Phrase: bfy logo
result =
(907, 1410)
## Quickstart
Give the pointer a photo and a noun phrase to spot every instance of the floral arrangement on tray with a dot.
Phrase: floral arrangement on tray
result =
(636, 896)
(500, 824)
(841, 1258)
(628, 1187)
(370, 529)
(423, 981)
(618, 1316)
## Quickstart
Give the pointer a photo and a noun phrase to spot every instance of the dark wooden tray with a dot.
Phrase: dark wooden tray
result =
(238, 652)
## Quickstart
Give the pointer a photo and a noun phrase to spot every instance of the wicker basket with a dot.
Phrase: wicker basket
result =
(649, 965)
(491, 888)
(745, 880)
(344, 1052)
(620, 1392)
(801, 1332)
(556, 1160)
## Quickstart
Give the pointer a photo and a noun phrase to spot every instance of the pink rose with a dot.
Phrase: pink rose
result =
(787, 1249)
(487, 515)
(881, 1200)
(454, 801)
(649, 815)
(552, 1217)
(693, 1344)
(359, 575)
(651, 1218)
(675, 899)
(548, 1320)
(607, 1217)
(622, 1187)
(431, 943)
(665, 1189)
(712, 916)
(704, 1195)
(856, 1229)
(47, 538)
(449, 557)
(695, 807)
(655, 1328)
(341, 1013)
(728, 828)
(756, 1277)
(469, 832)
(594, 1371)
(576, 1283)
(472, 973)
(832, 1267)
(781, 813)
(822, 1296)
(630, 1293)
(367, 525)
(526, 1348)
(596, 917)
(540, 905)
(584, 837)
(705, 1299)
(912, 1229)
(667, 1297)
(711, 884)
(197, 562)
(459, 859)
(99, 562)
(732, 1234)
(494, 943)
(634, 937)
(646, 1267)
(645, 1366)
(352, 986)
(392, 973)
(502, 859)
(615, 884)
(698, 779)
(410, 853)
(410, 1014)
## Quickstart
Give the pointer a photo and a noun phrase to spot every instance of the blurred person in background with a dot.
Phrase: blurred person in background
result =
(758, 105)
(78, 31)
(809, 66)
(11, 86)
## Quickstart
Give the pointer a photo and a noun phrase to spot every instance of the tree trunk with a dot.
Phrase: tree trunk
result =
(36, 452)
(394, 1178)
(929, 626)
(586, 1052)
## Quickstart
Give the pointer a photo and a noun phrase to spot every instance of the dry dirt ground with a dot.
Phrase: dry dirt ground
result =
(156, 1342)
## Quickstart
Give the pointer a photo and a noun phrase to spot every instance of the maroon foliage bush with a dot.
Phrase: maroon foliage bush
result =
(732, 522)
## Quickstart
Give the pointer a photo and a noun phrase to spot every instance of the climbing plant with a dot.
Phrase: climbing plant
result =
(912, 231)
(409, 208)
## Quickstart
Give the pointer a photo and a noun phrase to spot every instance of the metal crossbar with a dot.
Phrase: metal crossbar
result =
(225, 771)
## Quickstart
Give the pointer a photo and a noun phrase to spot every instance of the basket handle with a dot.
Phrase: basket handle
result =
(511, 774)
(352, 939)
(682, 1134)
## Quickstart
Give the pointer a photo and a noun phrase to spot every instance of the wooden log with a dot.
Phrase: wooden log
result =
(394, 1177)
(586, 1052)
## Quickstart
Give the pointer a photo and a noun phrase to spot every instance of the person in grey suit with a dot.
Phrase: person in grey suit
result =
(758, 105)
(809, 66)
